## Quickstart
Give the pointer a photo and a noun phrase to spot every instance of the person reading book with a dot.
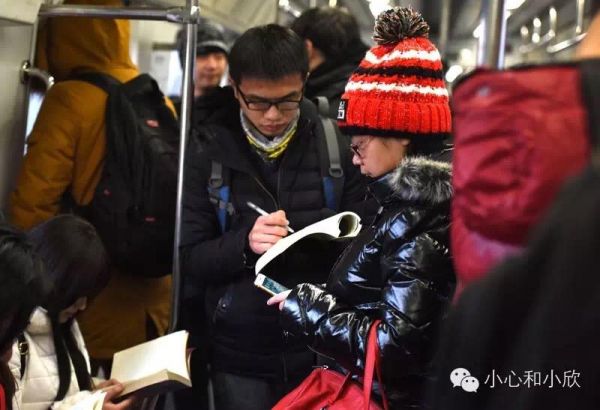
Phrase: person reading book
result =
(49, 361)
(266, 140)
(398, 269)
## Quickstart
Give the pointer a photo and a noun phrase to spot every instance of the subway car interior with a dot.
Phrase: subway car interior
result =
(512, 89)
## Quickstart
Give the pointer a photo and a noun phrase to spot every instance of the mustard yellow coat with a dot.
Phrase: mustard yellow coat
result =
(65, 152)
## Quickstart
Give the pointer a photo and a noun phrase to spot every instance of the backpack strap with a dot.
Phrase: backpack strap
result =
(220, 193)
(23, 348)
(103, 81)
(590, 87)
(331, 164)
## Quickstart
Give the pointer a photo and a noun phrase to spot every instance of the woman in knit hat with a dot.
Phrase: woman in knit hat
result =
(399, 268)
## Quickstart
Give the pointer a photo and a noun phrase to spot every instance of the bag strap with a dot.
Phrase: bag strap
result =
(372, 365)
(103, 81)
(220, 192)
(23, 348)
(590, 88)
(333, 173)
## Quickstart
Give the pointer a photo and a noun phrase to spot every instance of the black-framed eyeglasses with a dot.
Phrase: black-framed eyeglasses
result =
(265, 105)
(359, 149)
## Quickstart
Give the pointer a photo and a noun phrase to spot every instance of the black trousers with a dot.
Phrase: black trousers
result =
(233, 392)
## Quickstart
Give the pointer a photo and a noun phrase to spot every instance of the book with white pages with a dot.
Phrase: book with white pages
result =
(154, 367)
(338, 227)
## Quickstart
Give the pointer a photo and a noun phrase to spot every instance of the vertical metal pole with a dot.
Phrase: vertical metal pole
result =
(444, 27)
(490, 52)
(580, 13)
(187, 94)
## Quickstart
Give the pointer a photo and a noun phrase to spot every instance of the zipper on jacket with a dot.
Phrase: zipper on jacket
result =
(279, 177)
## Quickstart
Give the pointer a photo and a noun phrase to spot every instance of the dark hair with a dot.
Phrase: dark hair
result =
(77, 264)
(21, 290)
(332, 30)
(267, 52)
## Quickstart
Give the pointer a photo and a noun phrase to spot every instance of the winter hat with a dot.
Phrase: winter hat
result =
(398, 89)
(210, 39)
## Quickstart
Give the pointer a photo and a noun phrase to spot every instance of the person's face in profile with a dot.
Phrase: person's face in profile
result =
(270, 105)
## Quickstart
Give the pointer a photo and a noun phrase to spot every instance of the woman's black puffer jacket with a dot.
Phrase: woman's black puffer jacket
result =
(398, 270)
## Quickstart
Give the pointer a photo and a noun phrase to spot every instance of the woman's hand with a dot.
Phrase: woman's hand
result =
(105, 384)
(112, 392)
(279, 298)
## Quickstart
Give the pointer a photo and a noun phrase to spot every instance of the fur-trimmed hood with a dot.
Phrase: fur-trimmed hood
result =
(421, 179)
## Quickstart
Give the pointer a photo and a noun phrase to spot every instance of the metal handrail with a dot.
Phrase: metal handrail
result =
(174, 14)
(578, 35)
(543, 39)
(28, 71)
(187, 93)
(490, 51)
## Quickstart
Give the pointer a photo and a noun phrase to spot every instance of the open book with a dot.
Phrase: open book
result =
(341, 226)
(157, 366)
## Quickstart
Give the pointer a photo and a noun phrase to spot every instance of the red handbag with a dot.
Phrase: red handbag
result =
(2, 398)
(328, 389)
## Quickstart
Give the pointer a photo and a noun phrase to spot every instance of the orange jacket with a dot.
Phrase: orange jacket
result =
(65, 152)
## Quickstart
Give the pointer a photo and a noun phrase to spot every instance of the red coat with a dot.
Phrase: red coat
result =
(519, 134)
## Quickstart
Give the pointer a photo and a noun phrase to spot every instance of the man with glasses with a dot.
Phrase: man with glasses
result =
(263, 147)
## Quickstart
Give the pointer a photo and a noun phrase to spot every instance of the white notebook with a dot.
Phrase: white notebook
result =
(341, 226)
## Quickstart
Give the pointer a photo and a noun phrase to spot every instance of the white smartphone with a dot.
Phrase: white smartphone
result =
(268, 285)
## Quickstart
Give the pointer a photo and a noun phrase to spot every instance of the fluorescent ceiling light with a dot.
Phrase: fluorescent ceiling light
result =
(478, 31)
(453, 73)
(513, 4)
(379, 6)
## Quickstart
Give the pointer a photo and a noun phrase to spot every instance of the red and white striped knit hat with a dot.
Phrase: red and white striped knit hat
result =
(398, 89)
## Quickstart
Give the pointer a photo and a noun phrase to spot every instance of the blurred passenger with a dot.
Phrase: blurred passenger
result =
(21, 290)
(334, 47)
(266, 142)
(210, 68)
(50, 361)
(65, 155)
(528, 330)
(399, 268)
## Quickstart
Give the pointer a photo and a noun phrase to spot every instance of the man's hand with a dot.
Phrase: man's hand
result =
(267, 230)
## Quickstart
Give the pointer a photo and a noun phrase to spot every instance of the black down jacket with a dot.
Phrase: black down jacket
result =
(398, 270)
(246, 338)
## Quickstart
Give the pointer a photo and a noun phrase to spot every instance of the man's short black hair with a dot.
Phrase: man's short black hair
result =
(332, 30)
(267, 52)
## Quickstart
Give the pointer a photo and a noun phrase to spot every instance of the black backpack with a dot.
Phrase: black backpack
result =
(133, 208)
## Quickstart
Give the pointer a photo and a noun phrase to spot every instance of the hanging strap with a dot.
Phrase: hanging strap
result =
(372, 365)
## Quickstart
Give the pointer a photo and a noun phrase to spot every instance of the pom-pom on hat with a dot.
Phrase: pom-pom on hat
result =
(398, 89)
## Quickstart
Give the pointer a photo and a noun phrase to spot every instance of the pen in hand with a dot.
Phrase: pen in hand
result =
(264, 213)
